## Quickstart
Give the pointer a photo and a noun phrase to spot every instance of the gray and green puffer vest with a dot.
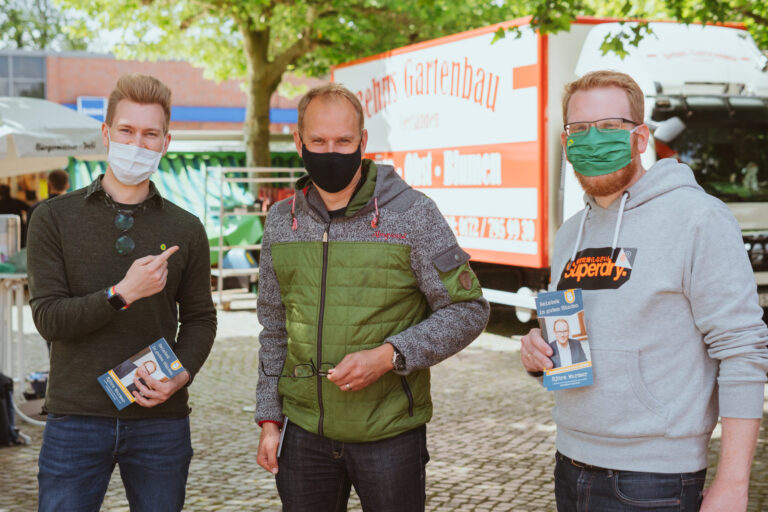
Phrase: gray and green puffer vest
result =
(332, 287)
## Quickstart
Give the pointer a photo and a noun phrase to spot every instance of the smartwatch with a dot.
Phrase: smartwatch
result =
(115, 299)
(398, 360)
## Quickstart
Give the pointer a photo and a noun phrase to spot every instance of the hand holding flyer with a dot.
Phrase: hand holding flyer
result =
(158, 360)
(561, 318)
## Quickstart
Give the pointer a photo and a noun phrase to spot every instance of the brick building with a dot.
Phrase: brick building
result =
(198, 103)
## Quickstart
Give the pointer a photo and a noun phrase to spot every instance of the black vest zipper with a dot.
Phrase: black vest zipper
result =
(320, 331)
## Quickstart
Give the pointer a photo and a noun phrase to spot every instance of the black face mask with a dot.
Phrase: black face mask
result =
(332, 172)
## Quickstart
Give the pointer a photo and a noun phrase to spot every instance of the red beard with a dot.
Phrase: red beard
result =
(608, 184)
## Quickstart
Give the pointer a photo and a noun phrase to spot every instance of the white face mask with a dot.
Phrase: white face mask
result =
(132, 165)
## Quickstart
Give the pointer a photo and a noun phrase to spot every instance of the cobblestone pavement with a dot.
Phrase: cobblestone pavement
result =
(491, 439)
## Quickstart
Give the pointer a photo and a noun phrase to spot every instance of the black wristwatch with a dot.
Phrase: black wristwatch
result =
(115, 299)
(398, 360)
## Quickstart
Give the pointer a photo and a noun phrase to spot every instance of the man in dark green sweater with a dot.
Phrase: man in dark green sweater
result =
(113, 267)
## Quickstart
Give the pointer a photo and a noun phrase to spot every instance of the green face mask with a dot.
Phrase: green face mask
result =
(596, 153)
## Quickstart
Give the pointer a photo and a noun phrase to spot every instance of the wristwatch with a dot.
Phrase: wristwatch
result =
(115, 299)
(398, 360)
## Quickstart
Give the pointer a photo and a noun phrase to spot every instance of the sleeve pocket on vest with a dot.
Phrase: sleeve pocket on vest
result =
(456, 275)
(450, 259)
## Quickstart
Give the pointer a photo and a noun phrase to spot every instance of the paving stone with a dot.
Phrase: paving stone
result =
(491, 439)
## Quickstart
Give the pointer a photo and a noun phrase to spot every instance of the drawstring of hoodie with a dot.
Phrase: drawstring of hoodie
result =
(375, 221)
(624, 197)
(580, 234)
(581, 231)
(294, 222)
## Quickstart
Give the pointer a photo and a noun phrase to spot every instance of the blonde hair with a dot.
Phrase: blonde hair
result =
(334, 91)
(142, 89)
(597, 79)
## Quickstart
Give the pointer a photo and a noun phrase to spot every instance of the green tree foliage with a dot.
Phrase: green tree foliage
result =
(36, 25)
(259, 40)
(550, 16)
(754, 14)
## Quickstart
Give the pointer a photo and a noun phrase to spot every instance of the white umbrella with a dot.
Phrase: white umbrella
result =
(39, 135)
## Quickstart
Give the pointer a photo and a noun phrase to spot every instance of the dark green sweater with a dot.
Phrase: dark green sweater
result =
(72, 260)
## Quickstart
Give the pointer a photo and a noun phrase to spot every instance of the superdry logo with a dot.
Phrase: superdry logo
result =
(387, 236)
(598, 269)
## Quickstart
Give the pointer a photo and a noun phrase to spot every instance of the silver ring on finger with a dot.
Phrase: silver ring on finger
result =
(348, 386)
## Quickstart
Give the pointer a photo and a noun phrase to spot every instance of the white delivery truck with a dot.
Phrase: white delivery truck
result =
(476, 126)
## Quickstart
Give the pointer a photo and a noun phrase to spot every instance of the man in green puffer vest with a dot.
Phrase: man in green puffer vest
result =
(362, 288)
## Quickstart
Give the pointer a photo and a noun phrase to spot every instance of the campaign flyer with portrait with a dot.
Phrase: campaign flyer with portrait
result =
(561, 319)
(157, 359)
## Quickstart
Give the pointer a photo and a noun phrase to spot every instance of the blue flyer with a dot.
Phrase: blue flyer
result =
(561, 318)
(157, 359)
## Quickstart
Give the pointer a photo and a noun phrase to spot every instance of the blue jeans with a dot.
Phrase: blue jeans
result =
(316, 473)
(580, 488)
(80, 452)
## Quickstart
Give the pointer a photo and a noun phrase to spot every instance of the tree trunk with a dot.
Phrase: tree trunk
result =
(256, 127)
(264, 75)
(257, 123)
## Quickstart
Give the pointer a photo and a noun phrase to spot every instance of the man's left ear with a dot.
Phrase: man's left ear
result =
(363, 141)
(297, 142)
(105, 135)
(167, 143)
(642, 134)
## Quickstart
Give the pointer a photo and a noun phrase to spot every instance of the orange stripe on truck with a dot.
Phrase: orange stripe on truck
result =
(525, 76)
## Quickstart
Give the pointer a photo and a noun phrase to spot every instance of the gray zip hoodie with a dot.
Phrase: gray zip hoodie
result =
(676, 334)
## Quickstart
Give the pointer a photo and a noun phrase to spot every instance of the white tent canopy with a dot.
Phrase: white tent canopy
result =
(39, 135)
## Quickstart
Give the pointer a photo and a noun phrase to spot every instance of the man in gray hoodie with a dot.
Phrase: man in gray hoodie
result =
(675, 328)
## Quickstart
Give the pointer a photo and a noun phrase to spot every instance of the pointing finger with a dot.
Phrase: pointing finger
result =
(163, 256)
(167, 253)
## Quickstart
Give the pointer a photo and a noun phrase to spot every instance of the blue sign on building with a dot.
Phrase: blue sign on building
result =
(96, 107)
(93, 106)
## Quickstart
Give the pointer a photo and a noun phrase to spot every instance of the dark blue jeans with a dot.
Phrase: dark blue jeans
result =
(580, 489)
(80, 452)
(316, 473)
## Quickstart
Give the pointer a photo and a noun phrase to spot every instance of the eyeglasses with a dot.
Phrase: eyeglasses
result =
(303, 370)
(124, 243)
(603, 125)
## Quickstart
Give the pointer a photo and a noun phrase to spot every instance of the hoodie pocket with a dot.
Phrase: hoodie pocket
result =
(618, 404)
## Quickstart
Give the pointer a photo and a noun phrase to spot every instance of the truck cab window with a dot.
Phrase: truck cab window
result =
(729, 161)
